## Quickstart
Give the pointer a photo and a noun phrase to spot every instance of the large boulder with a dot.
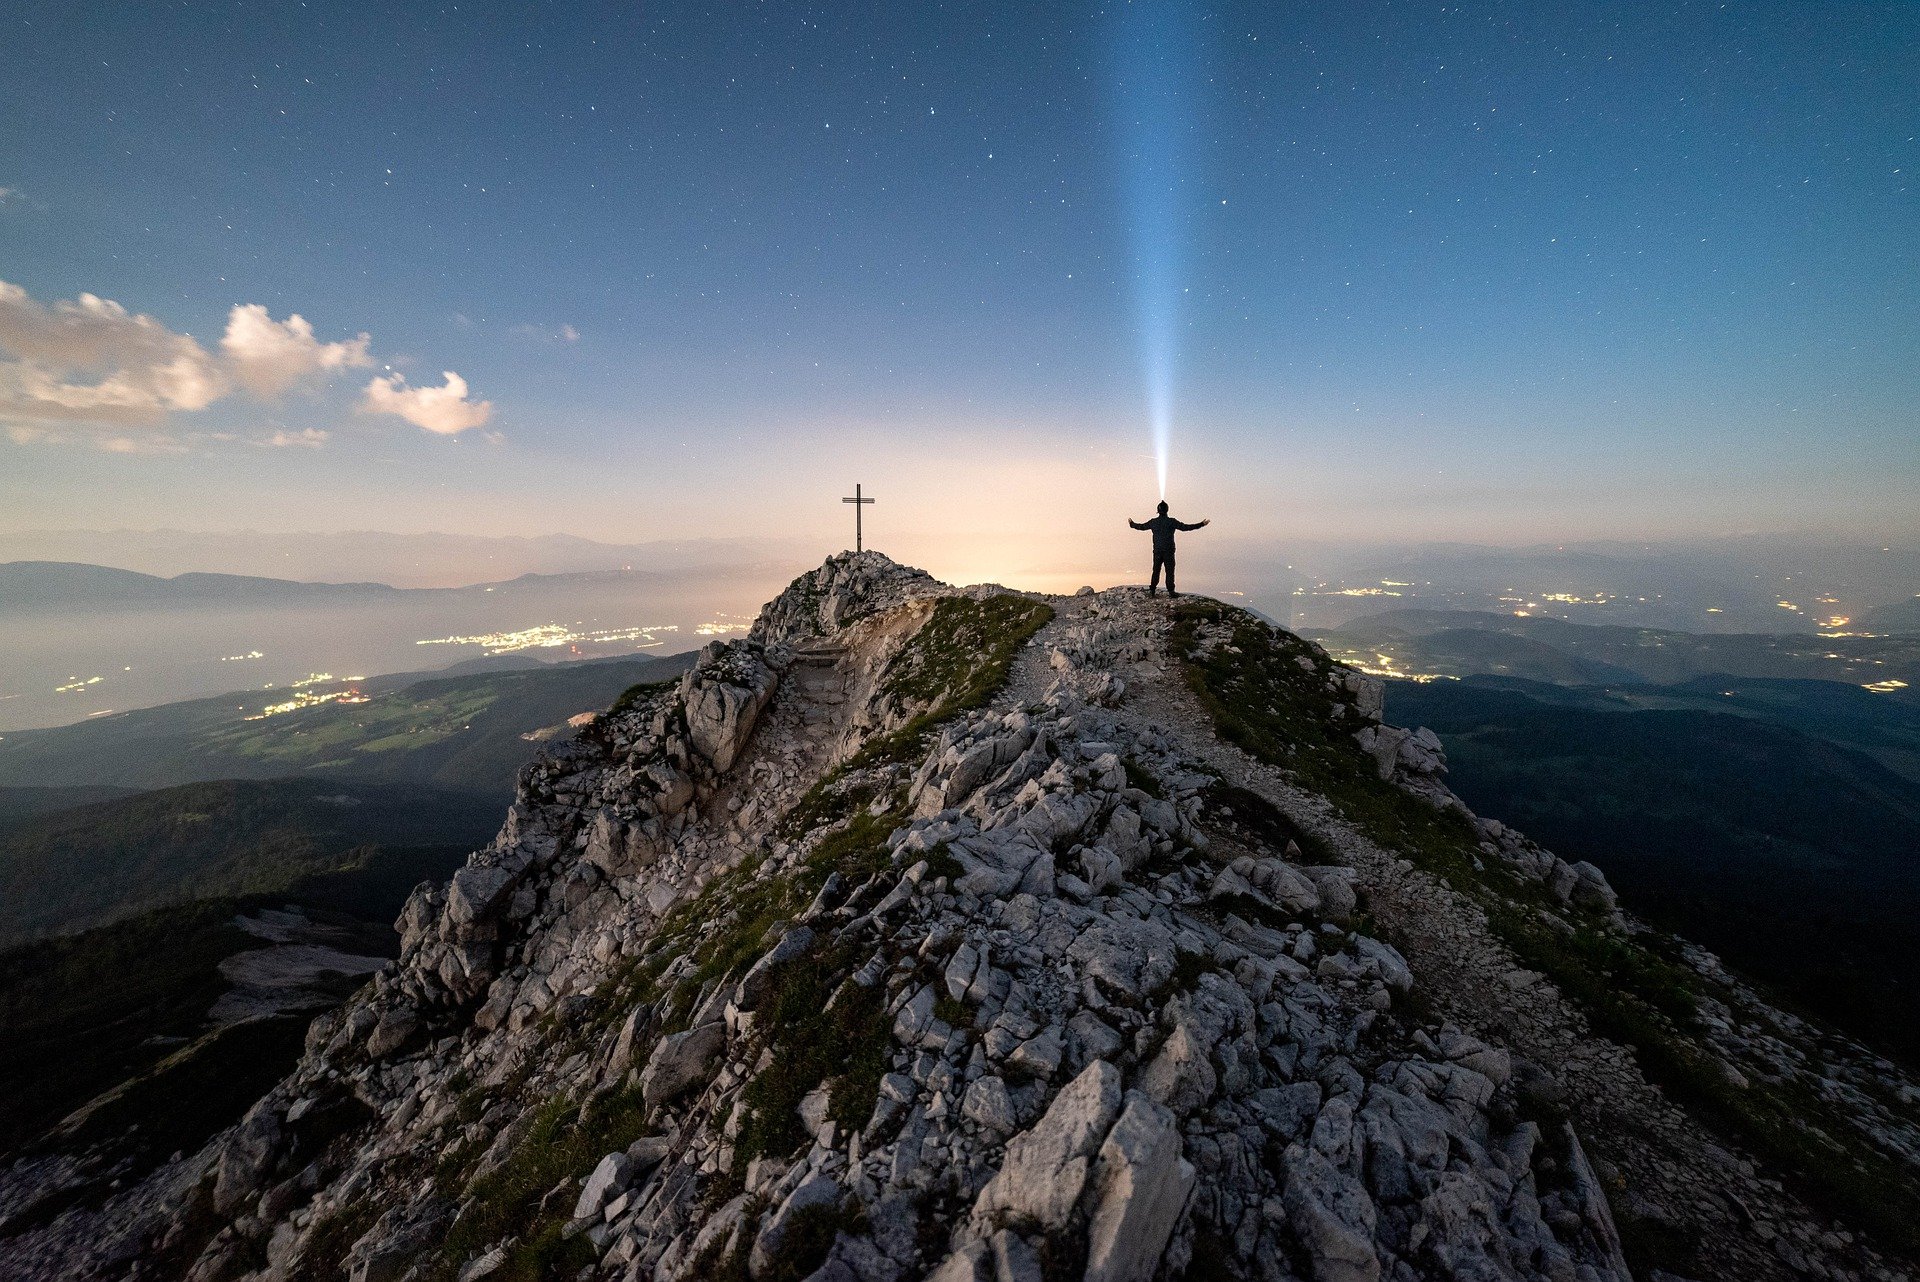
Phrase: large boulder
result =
(1333, 1217)
(1590, 889)
(245, 1158)
(606, 1181)
(723, 697)
(1046, 1168)
(395, 1029)
(621, 848)
(1140, 1188)
(681, 1062)
(476, 896)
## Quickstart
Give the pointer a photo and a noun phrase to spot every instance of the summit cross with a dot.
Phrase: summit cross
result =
(858, 503)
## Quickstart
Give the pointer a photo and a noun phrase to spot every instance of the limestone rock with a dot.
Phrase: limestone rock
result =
(477, 893)
(608, 1179)
(681, 1061)
(815, 1190)
(244, 1158)
(1046, 1167)
(395, 1029)
(1139, 1191)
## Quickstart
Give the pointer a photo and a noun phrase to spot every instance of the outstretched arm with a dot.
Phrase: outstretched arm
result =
(1196, 525)
(1136, 525)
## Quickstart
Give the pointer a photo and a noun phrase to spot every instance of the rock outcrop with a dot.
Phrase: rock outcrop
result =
(891, 944)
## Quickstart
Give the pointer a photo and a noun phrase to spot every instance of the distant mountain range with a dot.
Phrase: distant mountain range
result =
(407, 560)
(36, 587)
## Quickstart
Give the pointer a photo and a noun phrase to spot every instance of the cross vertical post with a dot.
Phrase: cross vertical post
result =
(858, 502)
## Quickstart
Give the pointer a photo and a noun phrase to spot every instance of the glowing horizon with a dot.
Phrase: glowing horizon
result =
(964, 255)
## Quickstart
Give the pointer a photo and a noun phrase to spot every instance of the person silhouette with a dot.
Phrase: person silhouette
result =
(1163, 527)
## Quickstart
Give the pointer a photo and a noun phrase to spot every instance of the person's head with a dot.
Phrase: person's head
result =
(1163, 507)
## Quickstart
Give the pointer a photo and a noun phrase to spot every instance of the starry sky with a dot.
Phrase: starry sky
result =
(1495, 272)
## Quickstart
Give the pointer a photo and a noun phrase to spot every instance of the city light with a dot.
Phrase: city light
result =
(552, 635)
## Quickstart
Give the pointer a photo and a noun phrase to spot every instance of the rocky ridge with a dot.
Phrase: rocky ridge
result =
(934, 932)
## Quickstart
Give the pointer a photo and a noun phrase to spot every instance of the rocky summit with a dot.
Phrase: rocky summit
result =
(966, 934)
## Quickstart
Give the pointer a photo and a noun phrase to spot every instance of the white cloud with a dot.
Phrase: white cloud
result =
(444, 410)
(82, 367)
(267, 357)
(150, 443)
(311, 438)
(90, 360)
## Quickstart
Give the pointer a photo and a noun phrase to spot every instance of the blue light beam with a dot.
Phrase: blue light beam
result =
(1155, 73)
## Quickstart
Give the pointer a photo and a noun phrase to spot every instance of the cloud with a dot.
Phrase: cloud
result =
(144, 443)
(90, 360)
(311, 438)
(267, 357)
(82, 367)
(444, 410)
(148, 444)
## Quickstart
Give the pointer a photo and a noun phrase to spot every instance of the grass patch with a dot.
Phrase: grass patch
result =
(942, 863)
(1188, 967)
(1253, 814)
(808, 1236)
(856, 851)
(1267, 692)
(951, 1011)
(1138, 776)
(846, 1047)
(332, 1238)
(833, 799)
(562, 1144)
(719, 1264)
(955, 663)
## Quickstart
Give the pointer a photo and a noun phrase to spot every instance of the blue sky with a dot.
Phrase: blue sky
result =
(1483, 271)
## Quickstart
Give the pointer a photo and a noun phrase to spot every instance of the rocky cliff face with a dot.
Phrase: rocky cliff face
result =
(961, 934)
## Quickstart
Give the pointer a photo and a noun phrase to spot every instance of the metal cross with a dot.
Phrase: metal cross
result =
(858, 503)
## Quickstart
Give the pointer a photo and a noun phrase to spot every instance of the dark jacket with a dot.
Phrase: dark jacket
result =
(1163, 528)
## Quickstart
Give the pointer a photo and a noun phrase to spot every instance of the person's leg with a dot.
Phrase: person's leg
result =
(1170, 591)
(1153, 584)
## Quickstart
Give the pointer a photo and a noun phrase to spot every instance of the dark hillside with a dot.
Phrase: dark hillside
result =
(1795, 858)
(93, 864)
